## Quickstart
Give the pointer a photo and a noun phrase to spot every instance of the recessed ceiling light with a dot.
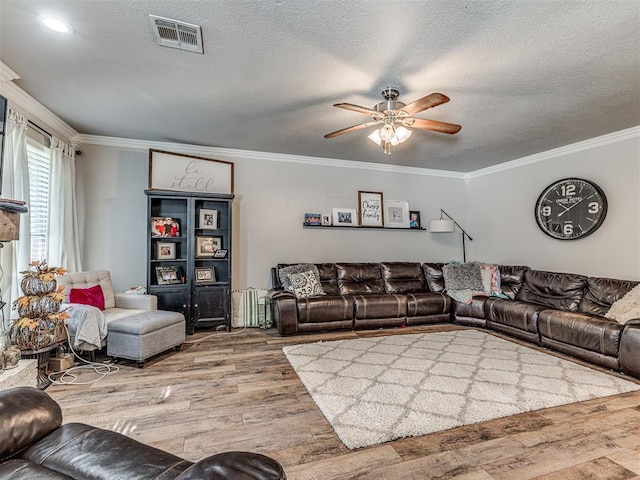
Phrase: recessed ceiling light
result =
(56, 25)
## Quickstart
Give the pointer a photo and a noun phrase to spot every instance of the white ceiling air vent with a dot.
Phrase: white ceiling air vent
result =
(175, 34)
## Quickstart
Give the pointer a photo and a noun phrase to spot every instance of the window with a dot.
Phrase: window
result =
(39, 160)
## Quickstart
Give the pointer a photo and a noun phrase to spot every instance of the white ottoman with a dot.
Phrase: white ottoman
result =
(144, 335)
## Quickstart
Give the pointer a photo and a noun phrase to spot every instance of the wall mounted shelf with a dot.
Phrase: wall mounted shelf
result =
(357, 227)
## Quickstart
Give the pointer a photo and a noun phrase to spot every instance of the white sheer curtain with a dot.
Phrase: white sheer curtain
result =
(14, 257)
(64, 238)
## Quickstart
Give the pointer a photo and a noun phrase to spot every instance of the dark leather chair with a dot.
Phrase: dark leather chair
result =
(35, 445)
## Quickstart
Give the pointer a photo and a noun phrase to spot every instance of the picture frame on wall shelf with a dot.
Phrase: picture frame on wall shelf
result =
(312, 219)
(204, 275)
(168, 275)
(206, 247)
(208, 219)
(165, 227)
(344, 217)
(396, 214)
(371, 213)
(325, 220)
(166, 251)
(220, 253)
(414, 219)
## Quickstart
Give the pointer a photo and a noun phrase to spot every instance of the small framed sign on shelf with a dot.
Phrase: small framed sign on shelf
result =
(206, 247)
(168, 275)
(204, 275)
(166, 251)
(344, 217)
(220, 253)
(165, 227)
(370, 208)
(208, 219)
(396, 214)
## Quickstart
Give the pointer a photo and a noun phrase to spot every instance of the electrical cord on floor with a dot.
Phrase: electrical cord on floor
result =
(197, 340)
(69, 376)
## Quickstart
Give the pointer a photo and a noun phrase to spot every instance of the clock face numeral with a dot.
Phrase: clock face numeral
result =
(571, 208)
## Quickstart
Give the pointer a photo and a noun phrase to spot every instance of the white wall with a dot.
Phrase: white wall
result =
(271, 199)
(501, 213)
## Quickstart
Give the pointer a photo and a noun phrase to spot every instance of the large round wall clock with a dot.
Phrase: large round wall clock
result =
(571, 208)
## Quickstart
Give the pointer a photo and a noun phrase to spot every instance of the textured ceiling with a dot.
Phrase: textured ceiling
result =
(523, 76)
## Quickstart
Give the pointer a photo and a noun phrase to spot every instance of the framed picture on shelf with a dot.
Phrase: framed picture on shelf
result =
(206, 247)
(370, 209)
(414, 219)
(396, 214)
(165, 251)
(325, 219)
(165, 227)
(208, 219)
(204, 275)
(312, 219)
(344, 217)
(220, 253)
(168, 275)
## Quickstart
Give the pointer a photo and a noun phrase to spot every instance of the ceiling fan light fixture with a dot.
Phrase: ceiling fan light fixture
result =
(387, 132)
(402, 134)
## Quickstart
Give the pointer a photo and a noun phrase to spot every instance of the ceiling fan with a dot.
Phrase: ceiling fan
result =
(396, 118)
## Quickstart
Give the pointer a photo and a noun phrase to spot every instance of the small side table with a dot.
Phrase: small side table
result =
(42, 356)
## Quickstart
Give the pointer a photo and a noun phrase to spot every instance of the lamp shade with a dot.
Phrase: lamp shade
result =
(441, 226)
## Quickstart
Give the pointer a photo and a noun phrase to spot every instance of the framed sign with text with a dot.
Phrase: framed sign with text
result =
(188, 173)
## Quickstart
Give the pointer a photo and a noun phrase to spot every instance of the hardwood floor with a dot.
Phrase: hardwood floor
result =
(238, 392)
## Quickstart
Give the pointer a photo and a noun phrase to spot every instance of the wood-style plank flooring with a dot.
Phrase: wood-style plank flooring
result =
(238, 392)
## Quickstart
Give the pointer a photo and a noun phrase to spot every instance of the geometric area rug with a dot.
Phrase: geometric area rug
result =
(374, 390)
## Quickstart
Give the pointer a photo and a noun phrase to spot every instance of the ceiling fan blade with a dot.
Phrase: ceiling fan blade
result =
(350, 129)
(423, 103)
(436, 126)
(355, 108)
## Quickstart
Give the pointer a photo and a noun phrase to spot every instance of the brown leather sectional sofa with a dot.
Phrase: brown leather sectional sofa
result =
(560, 311)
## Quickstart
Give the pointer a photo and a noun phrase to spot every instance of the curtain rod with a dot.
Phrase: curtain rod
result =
(39, 129)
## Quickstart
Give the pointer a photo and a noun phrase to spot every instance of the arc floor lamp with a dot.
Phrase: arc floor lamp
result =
(447, 225)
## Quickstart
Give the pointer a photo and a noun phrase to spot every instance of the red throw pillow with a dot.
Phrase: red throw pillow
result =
(88, 296)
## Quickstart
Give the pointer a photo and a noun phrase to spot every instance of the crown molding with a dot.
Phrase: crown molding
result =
(233, 154)
(6, 74)
(619, 136)
(23, 100)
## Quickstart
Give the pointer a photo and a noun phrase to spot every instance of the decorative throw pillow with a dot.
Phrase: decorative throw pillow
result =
(305, 284)
(462, 276)
(491, 280)
(93, 296)
(627, 308)
(301, 267)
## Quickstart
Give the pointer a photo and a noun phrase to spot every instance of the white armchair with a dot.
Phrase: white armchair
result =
(88, 325)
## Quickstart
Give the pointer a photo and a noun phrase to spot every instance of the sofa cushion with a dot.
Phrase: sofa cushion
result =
(555, 290)
(581, 330)
(511, 279)
(18, 469)
(602, 293)
(327, 308)
(384, 305)
(515, 314)
(88, 296)
(428, 303)
(359, 278)
(403, 277)
(305, 284)
(434, 277)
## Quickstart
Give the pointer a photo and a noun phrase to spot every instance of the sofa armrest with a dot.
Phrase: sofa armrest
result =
(26, 416)
(629, 348)
(284, 311)
(233, 466)
(136, 301)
